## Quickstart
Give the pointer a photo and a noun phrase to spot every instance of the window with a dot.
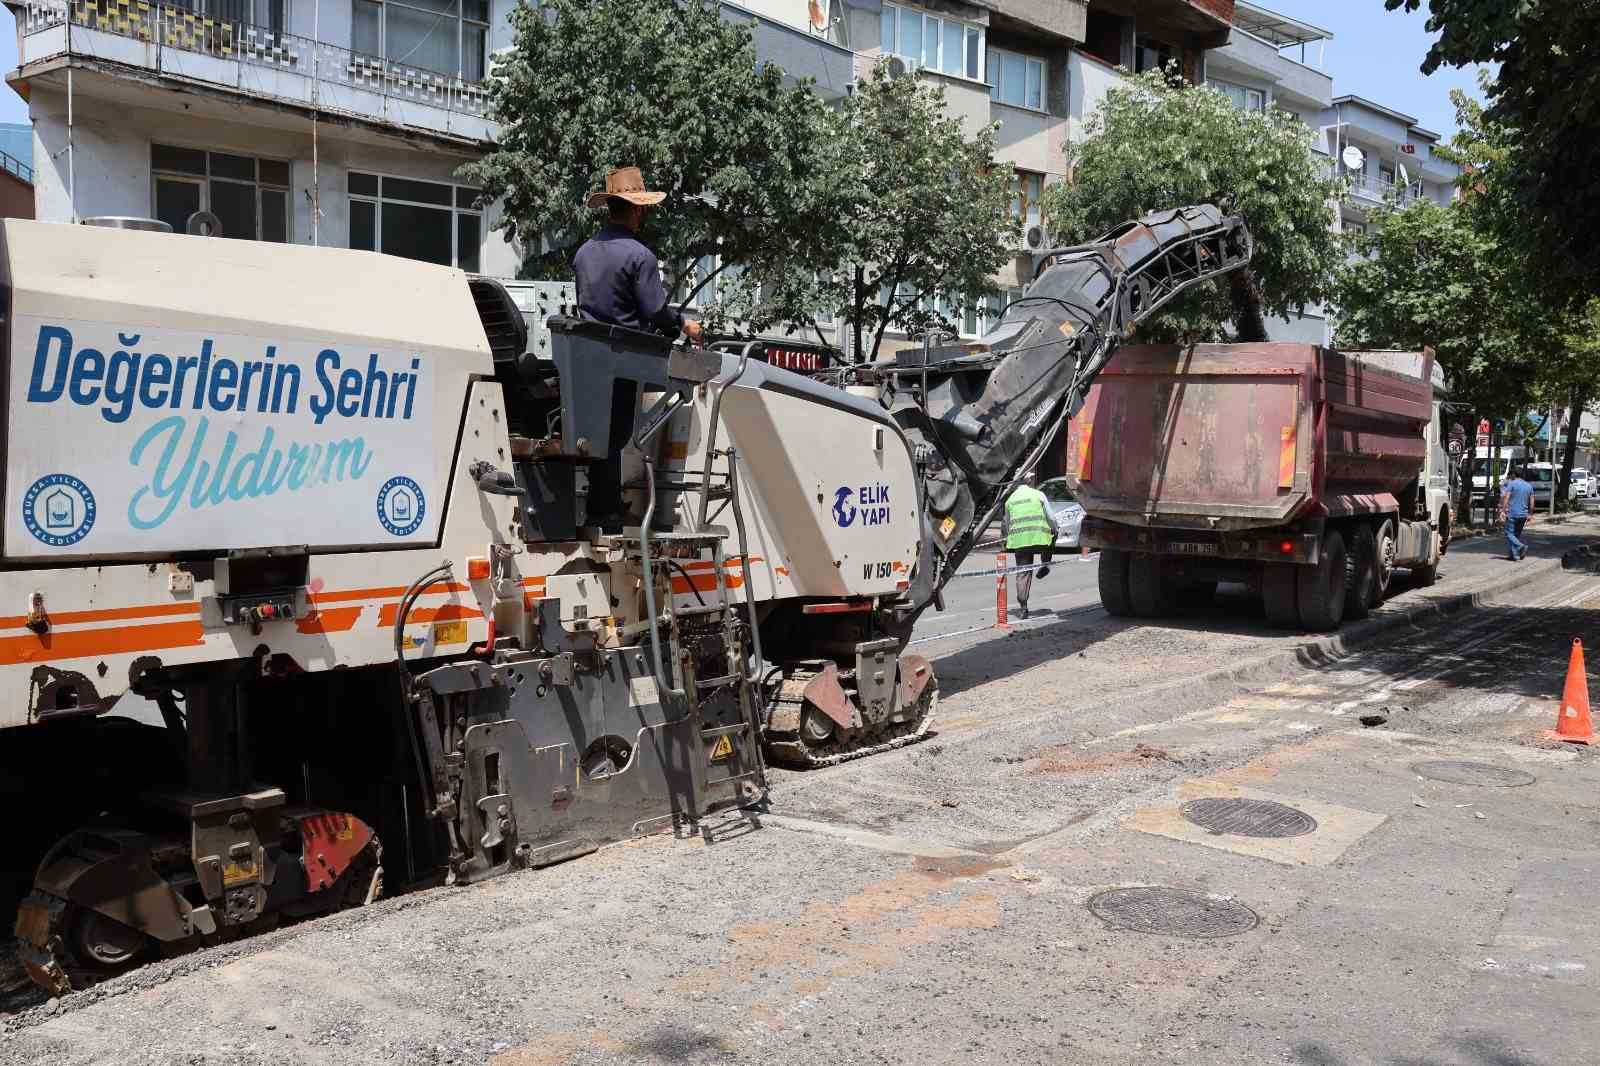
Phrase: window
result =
(1386, 175)
(707, 296)
(427, 220)
(1015, 79)
(249, 196)
(1242, 96)
(1027, 188)
(941, 44)
(265, 14)
(1151, 54)
(444, 36)
(977, 317)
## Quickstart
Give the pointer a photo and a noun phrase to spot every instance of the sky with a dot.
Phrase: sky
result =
(1374, 53)
(1377, 54)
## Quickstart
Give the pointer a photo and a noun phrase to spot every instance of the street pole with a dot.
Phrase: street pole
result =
(1551, 427)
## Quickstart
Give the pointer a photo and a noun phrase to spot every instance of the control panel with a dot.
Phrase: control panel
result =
(271, 607)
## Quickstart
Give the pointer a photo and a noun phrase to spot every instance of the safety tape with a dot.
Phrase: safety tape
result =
(997, 571)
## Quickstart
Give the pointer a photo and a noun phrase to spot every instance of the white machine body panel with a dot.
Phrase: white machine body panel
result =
(153, 408)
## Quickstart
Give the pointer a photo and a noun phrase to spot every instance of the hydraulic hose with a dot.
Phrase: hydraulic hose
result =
(413, 591)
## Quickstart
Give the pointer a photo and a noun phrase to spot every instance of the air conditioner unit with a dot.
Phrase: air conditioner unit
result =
(900, 66)
(1034, 239)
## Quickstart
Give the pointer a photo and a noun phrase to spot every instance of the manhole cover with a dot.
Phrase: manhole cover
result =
(1473, 773)
(1247, 817)
(1172, 911)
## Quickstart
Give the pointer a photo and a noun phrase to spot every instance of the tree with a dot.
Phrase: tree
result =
(749, 163)
(1155, 143)
(1427, 275)
(1546, 96)
(1575, 382)
(921, 220)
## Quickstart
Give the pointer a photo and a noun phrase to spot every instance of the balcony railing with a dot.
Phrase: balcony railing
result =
(1383, 190)
(15, 166)
(164, 26)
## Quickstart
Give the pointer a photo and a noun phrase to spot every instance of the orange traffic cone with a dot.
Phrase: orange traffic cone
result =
(1572, 720)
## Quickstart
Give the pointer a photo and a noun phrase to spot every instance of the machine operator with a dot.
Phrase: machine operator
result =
(619, 279)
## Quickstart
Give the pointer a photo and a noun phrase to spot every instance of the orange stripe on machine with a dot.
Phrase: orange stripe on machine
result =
(108, 640)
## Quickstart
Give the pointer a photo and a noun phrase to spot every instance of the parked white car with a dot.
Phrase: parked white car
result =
(1065, 512)
(1584, 485)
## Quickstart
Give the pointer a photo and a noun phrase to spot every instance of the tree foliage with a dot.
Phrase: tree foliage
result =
(1546, 98)
(749, 163)
(1157, 144)
(921, 221)
(1427, 275)
(781, 210)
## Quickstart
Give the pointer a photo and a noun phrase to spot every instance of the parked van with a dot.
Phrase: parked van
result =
(1542, 477)
(1489, 471)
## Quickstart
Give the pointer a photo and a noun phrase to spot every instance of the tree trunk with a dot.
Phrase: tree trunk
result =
(1580, 400)
(1249, 321)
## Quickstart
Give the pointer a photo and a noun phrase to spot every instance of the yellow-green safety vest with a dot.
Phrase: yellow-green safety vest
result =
(1028, 519)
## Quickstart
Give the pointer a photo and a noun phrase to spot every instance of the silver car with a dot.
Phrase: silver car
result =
(1064, 511)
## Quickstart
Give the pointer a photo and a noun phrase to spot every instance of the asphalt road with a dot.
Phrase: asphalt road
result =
(981, 897)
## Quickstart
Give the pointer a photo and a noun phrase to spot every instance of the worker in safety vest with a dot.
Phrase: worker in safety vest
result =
(1029, 533)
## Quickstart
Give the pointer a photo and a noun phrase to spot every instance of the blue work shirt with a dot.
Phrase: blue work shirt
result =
(619, 281)
(1519, 496)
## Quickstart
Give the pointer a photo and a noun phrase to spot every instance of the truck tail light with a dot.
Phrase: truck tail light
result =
(477, 569)
(1287, 547)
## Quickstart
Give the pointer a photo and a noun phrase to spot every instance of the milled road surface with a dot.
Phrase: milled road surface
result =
(932, 905)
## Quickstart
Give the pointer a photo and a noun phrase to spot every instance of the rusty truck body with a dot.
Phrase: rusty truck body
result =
(1308, 474)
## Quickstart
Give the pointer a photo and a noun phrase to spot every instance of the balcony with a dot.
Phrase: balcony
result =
(169, 42)
(1375, 191)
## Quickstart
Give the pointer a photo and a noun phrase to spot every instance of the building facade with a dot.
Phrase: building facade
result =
(1385, 156)
(324, 122)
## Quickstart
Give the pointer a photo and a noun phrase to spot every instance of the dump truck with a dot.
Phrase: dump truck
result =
(327, 581)
(1308, 474)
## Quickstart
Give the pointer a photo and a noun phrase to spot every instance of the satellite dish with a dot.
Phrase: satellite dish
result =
(1405, 177)
(1353, 157)
(819, 15)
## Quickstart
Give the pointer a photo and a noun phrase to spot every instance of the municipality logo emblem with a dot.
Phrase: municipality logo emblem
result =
(401, 506)
(844, 512)
(58, 510)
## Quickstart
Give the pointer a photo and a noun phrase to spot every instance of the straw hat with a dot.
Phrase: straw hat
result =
(626, 183)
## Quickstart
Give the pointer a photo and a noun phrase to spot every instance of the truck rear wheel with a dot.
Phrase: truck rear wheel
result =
(1114, 582)
(1151, 594)
(1323, 587)
(1280, 595)
(1362, 564)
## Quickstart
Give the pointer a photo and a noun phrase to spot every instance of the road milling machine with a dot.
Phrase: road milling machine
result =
(321, 580)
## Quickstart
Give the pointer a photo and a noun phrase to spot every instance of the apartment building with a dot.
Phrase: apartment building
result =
(334, 122)
(1385, 156)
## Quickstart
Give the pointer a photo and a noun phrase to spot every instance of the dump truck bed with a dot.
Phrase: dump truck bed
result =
(1248, 435)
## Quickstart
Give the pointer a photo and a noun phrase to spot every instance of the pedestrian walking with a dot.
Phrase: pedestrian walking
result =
(1029, 533)
(1516, 500)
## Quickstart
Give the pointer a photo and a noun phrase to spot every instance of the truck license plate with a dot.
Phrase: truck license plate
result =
(1192, 547)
